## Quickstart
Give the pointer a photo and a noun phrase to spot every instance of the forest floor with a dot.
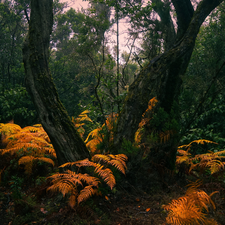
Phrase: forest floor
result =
(135, 207)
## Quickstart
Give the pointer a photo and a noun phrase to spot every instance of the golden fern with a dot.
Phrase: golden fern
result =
(28, 162)
(97, 138)
(187, 210)
(9, 128)
(200, 141)
(146, 117)
(118, 161)
(105, 173)
(78, 122)
(97, 135)
(184, 212)
(211, 160)
(31, 144)
(86, 193)
(69, 183)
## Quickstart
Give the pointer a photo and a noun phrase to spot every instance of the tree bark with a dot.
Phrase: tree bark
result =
(161, 79)
(65, 139)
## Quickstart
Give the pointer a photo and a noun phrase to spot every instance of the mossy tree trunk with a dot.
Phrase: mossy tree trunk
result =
(161, 78)
(67, 142)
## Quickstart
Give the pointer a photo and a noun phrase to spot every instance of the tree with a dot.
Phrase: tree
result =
(160, 78)
(53, 116)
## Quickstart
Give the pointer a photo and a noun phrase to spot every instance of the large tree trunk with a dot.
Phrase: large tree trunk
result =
(161, 78)
(67, 143)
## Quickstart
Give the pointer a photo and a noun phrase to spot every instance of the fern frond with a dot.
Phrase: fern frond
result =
(72, 200)
(183, 211)
(68, 182)
(120, 157)
(110, 121)
(84, 162)
(61, 186)
(92, 144)
(117, 164)
(215, 166)
(47, 160)
(37, 125)
(9, 128)
(210, 160)
(106, 175)
(185, 156)
(28, 163)
(30, 129)
(100, 157)
(203, 141)
(17, 147)
(118, 161)
(86, 193)
(94, 134)
(201, 198)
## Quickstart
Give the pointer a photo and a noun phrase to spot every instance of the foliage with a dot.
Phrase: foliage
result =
(203, 86)
(16, 186)
(16, 104)
(102, 135)
(79, 122)
(82, 186)
(30, 144)
(212, 160)
(188, 209)
(146, 117)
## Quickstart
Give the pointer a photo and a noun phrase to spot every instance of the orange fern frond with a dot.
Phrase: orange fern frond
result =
(63, 186)
(146, 117)
(209, 160)
(200, 141)
(118, 161)
(92, 144)
(30, 129)
(19, 146)
(183, 211)
(28, 163)
(106, 175)
(203, 141)
(82, 117)
(45, 159)
(86, 193)
(94, 134)
(9, 128)
(201, 198)
(183, 157)
(100, 157)
(78, 122)
(84, 162)
(188, 209)
(68, 182)
(111, 120)
(72, 199)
